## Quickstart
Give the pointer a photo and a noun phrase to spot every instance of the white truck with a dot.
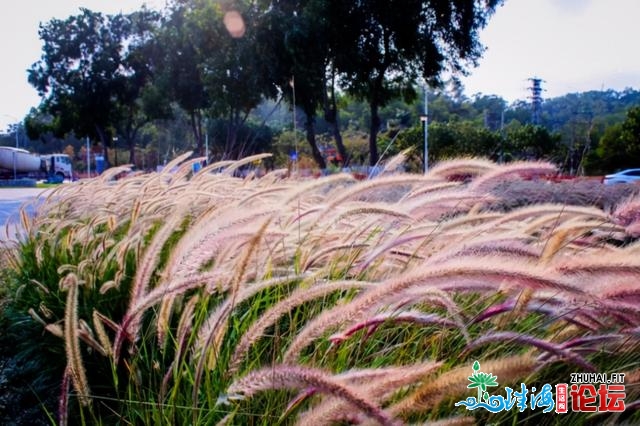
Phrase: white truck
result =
(20, 163)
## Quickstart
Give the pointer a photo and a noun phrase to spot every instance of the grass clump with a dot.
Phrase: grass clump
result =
(174, 298)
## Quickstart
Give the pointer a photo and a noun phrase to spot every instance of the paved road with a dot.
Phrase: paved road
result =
(10, 201)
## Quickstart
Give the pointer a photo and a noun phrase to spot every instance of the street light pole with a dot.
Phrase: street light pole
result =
(502, 137)
(88, 158)
(425, 128)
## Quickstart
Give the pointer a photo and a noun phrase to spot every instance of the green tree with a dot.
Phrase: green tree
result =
(140, 99)
(178, 59)
(449, 140)
(293, 38)
(531, 142)
(233, 77)
(619, 147)
(88, 76)
(211, 70)
(384, 46)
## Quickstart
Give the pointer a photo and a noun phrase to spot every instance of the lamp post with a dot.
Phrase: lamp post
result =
(424, 119)
(502, 137)
(88, 158)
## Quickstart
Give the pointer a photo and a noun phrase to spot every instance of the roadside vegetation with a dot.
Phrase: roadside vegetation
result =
(143, 87)
(181, 298)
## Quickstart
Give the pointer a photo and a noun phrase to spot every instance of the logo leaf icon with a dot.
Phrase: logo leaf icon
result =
(481, 381)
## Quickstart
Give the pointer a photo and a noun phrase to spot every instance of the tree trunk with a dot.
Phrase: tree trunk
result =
(311, 139)
(231, 146)
(331, 115)
(373, 133)
(132, 152)
(196, 126)
(105, 140)
(342, 150)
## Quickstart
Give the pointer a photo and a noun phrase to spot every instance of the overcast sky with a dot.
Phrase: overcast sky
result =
(574, 45)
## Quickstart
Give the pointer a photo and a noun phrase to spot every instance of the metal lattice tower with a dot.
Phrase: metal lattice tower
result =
(536, 99)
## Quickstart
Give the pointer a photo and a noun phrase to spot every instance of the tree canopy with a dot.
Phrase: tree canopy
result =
(385, 46)
(105, 74)
(92, 76)
(349, 72)
(619, 147)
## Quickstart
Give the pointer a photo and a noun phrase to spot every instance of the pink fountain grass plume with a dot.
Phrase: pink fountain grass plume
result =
(337, 182)
(431, 188)
(439, 206)
(545, 306)
(467, 274)
(522, 170)
(395, 162)
(511, 248)
(358, 190)
(558, 211)
(470, 220)
(372, 209)
(151, 257)
(411, 317)
(203, 235)
(601, 265)
(453, 383)
(462, 167)
(627, 212)
(63, 400)
(524, 339)
(216, 247)
(633, 229)
(131, 322)
(229, 170)
(321, 257)
(295, 377)
(210, 335)
(264, 195)
(75, 364)
(297, 298)
(418, 296)
(378, 384)
(382, 249)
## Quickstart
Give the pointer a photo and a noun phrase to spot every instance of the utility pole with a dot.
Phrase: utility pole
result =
(501, 160)
(425, 129)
